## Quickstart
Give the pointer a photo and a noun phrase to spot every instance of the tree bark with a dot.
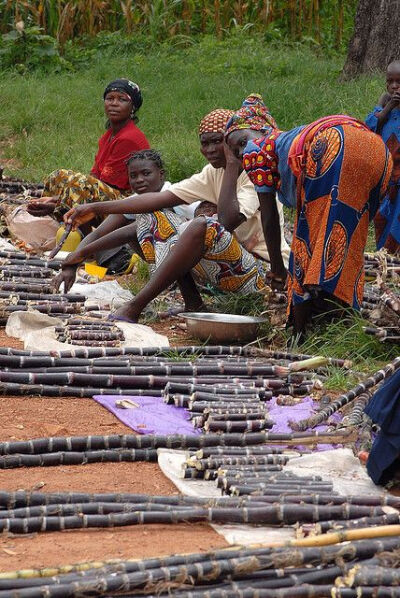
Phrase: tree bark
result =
(376, 39)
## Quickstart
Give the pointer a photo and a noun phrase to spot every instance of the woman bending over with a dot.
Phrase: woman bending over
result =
(333, 172)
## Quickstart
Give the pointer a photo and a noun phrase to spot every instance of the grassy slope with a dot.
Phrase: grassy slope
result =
(56, 121)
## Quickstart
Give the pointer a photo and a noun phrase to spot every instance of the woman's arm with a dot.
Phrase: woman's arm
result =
(137, 204)
(272, 233)
(115, 238)
(229, 214)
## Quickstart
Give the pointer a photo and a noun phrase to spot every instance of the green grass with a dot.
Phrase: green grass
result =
(55, 121)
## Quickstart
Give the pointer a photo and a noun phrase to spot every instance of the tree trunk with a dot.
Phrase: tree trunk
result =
(376, 38)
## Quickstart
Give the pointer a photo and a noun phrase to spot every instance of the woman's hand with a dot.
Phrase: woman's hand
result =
(67, 277)
(44, 206)
(277, 281)
(81, 214)
(231, 158)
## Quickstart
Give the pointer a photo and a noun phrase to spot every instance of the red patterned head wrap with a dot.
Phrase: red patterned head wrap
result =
(215, 121)
(252, 115)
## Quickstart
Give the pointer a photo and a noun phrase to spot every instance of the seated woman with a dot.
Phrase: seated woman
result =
(108, 179)
(340, 170)
(146, 174)
(212, 247)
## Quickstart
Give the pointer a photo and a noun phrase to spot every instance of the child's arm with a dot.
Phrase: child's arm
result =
(142, 204)
(68, 272)
(116, 238)
(383, 115)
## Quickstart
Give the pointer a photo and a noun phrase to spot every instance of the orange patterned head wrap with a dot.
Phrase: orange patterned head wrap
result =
(252, 115)
(215, 121)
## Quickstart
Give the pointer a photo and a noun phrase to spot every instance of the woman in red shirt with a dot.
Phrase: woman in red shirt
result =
(108, 178)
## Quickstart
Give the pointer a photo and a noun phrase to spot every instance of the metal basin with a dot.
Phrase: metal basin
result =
(222, 328)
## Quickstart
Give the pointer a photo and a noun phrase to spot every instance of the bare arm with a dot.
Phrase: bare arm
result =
(272, 233)
(113, 239)
(138, 204)
(229, 214)
(388, 103)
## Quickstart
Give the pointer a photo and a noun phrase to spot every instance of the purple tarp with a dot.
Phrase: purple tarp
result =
(152, 416)
(281, 415)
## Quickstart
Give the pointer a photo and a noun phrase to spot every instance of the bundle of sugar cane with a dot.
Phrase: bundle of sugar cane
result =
(267, 515)
(245, 572)
(346, 398)
(123, 441)
(279, 565)
(22, 498)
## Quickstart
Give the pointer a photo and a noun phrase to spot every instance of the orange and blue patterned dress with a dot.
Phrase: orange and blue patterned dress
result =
(334, 172)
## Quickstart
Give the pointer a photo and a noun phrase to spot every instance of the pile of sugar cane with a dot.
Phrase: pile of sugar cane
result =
(16, 191)
(26, 283)
(346, 564)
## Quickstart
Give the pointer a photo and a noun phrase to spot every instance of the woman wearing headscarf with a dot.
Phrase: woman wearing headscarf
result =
(108, 178)
(333, 172)
(211, 248)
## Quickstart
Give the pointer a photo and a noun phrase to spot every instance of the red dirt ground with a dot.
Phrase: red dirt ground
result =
(25, 417)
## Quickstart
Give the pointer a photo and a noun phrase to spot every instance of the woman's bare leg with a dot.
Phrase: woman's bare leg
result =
(186, 253)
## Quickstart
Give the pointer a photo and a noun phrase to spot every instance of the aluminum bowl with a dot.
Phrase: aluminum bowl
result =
(222, 328)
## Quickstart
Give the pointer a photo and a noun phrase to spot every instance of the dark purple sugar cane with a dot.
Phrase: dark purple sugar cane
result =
(238, 426)
(7, 272)
(357, 413)
(221, 461)
(27, 288)
(387, 519)
(22, 296)
(48, 308)
(61, 242)
(149, 579)
(21, 498)
(297, 357)
(233, 469)
(85, 343)
(96, 335)
(101, 508)
(255, 490)
(42, 390)
(272, 515)
(202, 406)
(84, 443)
(99, 380)
(238, 450)
(229, 416)
(74, 458)
(346, 398)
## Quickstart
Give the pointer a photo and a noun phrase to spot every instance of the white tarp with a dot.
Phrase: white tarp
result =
(37, 331)
(339, 466)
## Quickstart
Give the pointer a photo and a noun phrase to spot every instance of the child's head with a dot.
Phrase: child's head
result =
(205, 208)
(146, 171)
(393, 77)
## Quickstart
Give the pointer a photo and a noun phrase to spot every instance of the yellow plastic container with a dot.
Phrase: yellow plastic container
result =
(71, 242)
(94, 270)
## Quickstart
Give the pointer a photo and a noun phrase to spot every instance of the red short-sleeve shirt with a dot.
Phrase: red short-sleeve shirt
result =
(110, 161)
